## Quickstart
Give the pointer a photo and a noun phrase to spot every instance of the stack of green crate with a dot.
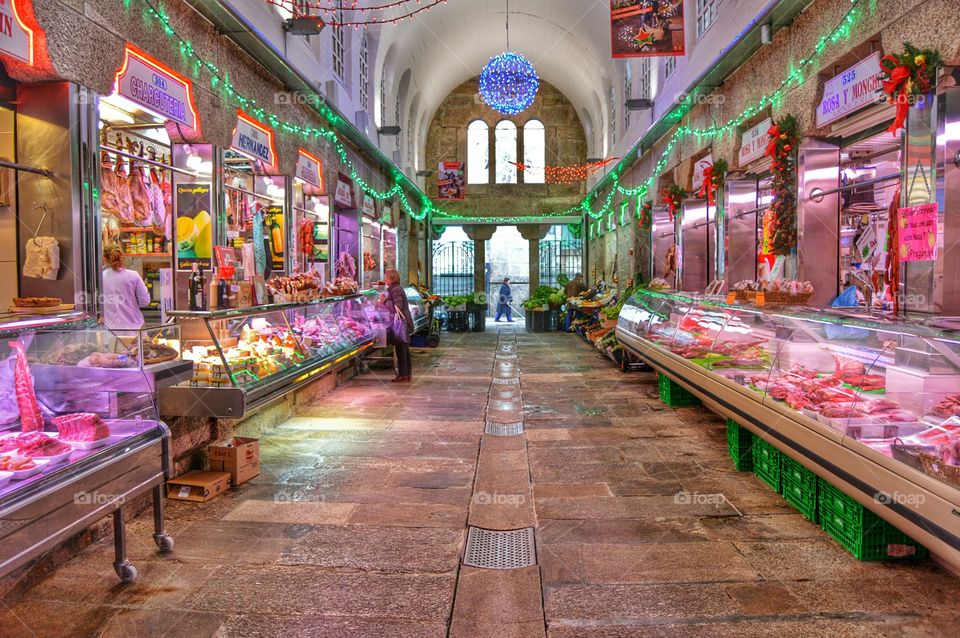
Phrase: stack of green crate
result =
(860, 531)
(799, 487)
(674, 395)
(740, 444)
(766, 463)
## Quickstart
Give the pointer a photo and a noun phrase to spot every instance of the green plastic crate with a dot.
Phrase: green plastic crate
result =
(766, 463)
(799, 487)
(674, 395)
(860, 531)
(740, 446)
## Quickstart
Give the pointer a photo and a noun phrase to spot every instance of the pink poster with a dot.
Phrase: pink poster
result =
(918, 232)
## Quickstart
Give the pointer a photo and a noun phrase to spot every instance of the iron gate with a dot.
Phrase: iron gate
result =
(453, 268)
(559, 256)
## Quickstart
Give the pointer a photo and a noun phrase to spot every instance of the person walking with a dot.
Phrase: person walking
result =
(503, 303)
(124, 292)
(395, 302)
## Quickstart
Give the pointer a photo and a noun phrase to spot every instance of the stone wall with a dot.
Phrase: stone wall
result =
(882, 24)
(566, 145)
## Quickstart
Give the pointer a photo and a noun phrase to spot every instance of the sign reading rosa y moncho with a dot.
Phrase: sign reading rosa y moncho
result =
(157, 88)
(753, 142)
(16, 38)
(851, 90)
(253, 139)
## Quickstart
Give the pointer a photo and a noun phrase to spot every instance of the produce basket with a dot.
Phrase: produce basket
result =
(675, 395)
(785, 298)
(860, 531)
(767, 464)
(908, 454)
(740, 446)
(934, 466)
(799, 487)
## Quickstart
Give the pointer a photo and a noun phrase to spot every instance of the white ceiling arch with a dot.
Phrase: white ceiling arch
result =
(568, 42)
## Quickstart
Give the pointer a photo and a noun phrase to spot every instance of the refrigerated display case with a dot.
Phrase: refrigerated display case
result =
(871, 405)
(80, 435)
(245, 357)
(418, 309)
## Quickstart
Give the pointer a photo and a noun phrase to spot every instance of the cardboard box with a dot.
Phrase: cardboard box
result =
(240, 456)
(198, 486)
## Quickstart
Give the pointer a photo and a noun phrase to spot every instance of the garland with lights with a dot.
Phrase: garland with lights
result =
(567, 174)
(645, 214)
(907, 75)
(509, 83)
(673, 197)
(784, 137)
(298, 8)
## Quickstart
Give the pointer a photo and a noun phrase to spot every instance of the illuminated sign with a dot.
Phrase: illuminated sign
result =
(309, 169)
(157, 88)
(16, 38)
(254, 140)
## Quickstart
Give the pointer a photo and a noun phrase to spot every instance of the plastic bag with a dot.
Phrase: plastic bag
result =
(846, 299)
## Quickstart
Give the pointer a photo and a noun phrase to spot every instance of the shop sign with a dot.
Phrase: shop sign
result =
(386, 214)
(16, 38)
(309, 169)
(254, 140)
(753, 142)
(156, 87)
(369, 207)
(851, 90)
(344, 196)
(698, 167)
(917, 234)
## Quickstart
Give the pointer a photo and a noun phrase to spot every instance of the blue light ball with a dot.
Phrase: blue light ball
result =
(509, 83)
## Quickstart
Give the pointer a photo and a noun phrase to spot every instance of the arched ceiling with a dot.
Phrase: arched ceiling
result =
(568, 42)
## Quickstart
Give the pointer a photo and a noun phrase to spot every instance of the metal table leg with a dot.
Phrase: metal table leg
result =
(126, 571)
(163, 540)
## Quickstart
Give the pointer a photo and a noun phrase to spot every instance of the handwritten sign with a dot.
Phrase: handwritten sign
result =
(309, 169)
(254, 140)
(918, 232)
(16, 38)
(753, 142)
(156, 87)
(850, 90)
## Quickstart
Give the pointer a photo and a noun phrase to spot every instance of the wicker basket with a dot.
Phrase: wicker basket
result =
(934, 466)
(780, 297)
(907, 454)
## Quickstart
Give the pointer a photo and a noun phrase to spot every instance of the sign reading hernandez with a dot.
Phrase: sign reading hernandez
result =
(156, 87)
(309, 169)
(16, 38)
(851, 90)
(253, 139)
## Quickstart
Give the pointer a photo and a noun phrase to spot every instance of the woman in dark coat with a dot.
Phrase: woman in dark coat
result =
(396, 299)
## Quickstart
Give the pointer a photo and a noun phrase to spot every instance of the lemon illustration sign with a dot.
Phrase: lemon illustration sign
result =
(194, 226)
(918, 232)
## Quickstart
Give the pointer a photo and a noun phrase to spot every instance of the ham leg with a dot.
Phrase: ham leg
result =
(31, 419)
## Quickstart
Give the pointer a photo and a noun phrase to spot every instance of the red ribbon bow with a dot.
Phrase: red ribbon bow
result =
(774, 134)
(896, 89)
(708, 188)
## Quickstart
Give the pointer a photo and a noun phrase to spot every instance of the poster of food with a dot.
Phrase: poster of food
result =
(194, 226)
(450, 181)
(642, 28)
(917, 235)
(275, 233)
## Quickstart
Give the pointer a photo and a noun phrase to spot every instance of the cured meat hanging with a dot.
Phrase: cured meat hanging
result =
(31, 419)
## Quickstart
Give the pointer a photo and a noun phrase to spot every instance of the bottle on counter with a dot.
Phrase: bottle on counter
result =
(223, 293)
(203, 289)
(194, 293)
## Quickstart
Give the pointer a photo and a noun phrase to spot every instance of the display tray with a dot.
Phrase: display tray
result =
(42, 310)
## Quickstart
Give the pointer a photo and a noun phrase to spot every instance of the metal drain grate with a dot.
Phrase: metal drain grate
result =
(509, 381)
(492, 549)
(504, 429)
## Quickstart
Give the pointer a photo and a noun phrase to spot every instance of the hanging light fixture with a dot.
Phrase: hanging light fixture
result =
(509, 83)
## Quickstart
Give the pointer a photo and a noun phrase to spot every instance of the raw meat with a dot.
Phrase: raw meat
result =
(38, 444)
(139, 195)
(124, 200)
(845, 368)
(107, 360)
(82, 426)
(840, 411)
(948, 407)
(867, 381)
(882, 405)
(31, 419)
(108, 189)
(802, 371)
(15, 463)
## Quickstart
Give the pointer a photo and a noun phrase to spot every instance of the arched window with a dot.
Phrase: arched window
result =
(505, 138)
(478, 153)
(534, 152)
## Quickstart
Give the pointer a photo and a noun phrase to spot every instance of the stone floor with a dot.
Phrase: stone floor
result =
(358, 523)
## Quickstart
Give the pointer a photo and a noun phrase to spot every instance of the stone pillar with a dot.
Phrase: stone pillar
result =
(479, 234)
(403, 248)
(533, 233)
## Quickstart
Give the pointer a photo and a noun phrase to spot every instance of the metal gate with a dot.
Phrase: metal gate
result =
(453, 268)
(560, 256)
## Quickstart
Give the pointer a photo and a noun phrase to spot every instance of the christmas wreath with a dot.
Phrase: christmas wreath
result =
(645, 214)
(714, 177)
(673, 197)
(784, 138)
(907, 75)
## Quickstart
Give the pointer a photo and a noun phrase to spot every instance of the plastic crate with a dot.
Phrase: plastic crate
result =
(766, 463)
(740, 446)
(674, 395)
(799, 487)
(860, 531)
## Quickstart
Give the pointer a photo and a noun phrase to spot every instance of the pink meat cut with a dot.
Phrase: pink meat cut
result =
(31, 419)
(82, 426)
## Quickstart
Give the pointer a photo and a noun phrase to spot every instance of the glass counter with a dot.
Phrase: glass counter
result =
(245, 357)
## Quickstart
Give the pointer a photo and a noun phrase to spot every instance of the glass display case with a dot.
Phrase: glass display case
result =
(245, 357)
(842, 391)
(79, 435)
(418, 308)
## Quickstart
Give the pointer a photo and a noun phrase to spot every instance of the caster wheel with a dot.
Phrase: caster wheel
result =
(126, 572)
(433, 341)
(164, 542)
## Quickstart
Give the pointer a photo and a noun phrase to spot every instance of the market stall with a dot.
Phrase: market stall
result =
(311, 218)
(870, 405)
(80, 434)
